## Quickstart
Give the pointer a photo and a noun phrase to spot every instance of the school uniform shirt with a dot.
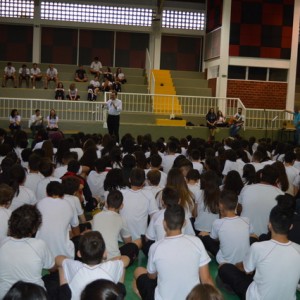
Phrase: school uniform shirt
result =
(233, 234)
(205, 218)
(167, 162)
(5, 214)
(277, 270)
(291, 173)
(95, 181)
(25, 196)
(163, 177)
(198, 166)
(156, 231)
(32, 179)
(23, 259)
(42, 186)
(257, 166)
(75, 203)
(111, 225)
(78, 274)
(176, 260)
(257, 201)
(51, 72)
(35, 71)
(297, 165)
(138, 205)
(9, 71)
(57, 216)
(96, 66)
(233, 165)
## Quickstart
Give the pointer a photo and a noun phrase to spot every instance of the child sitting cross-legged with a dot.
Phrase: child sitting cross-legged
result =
(229, 238)
(75, 275)
(112, 225)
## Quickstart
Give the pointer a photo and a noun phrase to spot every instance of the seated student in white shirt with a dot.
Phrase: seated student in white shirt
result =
(155, 230)
(139, 204)
(75, 275)
(23, 257)
(112, 226)
(155, 164)
(168, 159)
(291, 171)
(276, 263)
(96, 177)
(175, 264)
(60, 171)
(195, 159)
(6, 196)
(33, 175)
(193, 183)
(229, 238)
(58, 217)
(152, 183)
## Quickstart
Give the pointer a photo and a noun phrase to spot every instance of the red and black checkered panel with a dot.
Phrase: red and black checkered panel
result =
(180, 53)
(96, 43)
(214, 15)
(131, 49)
(261, 28)
(59, 45)
(16, 43)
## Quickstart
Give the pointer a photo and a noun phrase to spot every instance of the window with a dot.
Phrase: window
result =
(257, 74)
(16, 9)
(278, 75)
(113, 15)
(236, 72)
(183, 19)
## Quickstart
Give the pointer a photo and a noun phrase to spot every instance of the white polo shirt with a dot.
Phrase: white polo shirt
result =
(25, 196)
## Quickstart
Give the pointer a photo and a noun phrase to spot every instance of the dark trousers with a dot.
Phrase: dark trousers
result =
(113, 123)
(239, 281)
(131, 250)
(210, 244)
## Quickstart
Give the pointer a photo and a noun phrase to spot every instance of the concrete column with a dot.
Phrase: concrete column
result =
(290, 99)
(36, 43)
(155, 44)
(221, 90)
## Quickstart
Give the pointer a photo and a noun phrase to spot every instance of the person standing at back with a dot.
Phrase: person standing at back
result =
(114, 108)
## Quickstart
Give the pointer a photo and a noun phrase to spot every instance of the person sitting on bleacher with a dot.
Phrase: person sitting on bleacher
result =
(73, 92)
(96, 67)
(24, 74)
(51, 75)
(35, 74)
(120, 76)
(9, 73)
(93, 89)
(80, 75)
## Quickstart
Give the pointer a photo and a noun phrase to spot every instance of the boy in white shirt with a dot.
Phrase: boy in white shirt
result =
(96, 178)
(155, 164)
(276, 263)
(75, 275)
(35, 74)
(139, 203)
(153, 180)
(23, 257)
(33, 177)
(111, 225)
(195, 159)
(229, 238)
(6, 196)
(175, 264)
(24, 74)
(9, 73)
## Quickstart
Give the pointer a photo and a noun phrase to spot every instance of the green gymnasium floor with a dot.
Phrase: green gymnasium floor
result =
(141, 261)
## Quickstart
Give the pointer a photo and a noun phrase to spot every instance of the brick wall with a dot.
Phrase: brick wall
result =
(258, 94)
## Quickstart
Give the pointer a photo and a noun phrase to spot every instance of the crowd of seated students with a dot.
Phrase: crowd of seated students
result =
(69, 202)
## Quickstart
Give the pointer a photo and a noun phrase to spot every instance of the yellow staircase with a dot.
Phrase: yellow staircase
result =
(164, 86)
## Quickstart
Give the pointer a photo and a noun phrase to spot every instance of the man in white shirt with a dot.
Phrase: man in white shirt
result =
(138, 204)
(238, 121)
(51, 75)
(96, 67)
(24, 74)
(36, 122)
(276, 263)
(114, 108)
(258, 199)
(168, 159)
(178, 262)
(9, 73)
(35, 74)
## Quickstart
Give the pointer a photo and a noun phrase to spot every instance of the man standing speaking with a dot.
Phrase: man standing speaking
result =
(114, 108)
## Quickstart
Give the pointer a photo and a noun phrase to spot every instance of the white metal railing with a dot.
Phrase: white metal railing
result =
(86, 111)
(66, 110)
(148, 68)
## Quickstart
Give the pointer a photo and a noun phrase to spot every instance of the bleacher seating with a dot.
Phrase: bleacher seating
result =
(136, 82)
